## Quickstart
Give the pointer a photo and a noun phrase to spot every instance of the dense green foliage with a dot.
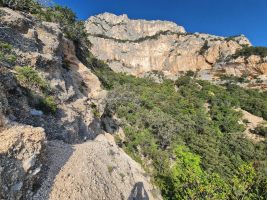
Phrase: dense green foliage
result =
(67, 19)
(234, 79)
(193, 127)
(248, 51)
(250, 100)
(31, 6)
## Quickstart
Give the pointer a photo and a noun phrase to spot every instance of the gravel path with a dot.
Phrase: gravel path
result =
(94, 170)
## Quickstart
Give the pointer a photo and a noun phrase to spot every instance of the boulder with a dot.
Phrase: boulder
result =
(21, 158)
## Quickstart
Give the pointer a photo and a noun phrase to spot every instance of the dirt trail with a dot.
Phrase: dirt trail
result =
(94, 170)
(97, 169)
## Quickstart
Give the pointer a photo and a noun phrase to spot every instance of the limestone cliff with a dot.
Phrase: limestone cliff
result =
(139, 46)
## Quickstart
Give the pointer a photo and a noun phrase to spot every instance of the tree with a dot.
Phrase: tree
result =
(31, 6)
(189, 181)
(243, 182)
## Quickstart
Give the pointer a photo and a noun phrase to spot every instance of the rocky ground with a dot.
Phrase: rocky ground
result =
(21, 157)
(94, 170)
(252, 122)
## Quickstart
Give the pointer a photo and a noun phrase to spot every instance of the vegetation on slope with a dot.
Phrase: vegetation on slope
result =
(6, 55)
(188, 135)
(249, 51)
(45, 11)
(30, 79)
(27, 76)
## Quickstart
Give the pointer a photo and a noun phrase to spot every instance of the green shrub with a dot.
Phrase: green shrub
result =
(157, 118)
(261, 130)
(190, 73)
(30, 78)
(189, 181)
(48, 105)
(184, 80)
(67, 19)
(248, 51)
(6, 55)
(204, 48)
(31, 6)
(250, 100)
(95, 110)
(234, 79)
(231, 38)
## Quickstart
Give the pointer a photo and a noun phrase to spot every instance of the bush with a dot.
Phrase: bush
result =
(204, 48)
(29, 78)
(248, 51)
(261, 130)
(31, 6)
(190, 73)
(234, 79)
(189, 181)
(6, 55)
(250, 100)
(47, 105)
(67, 19)
(184, 80)
(157, 119)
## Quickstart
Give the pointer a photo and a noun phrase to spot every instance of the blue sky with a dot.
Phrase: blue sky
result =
(218, 17)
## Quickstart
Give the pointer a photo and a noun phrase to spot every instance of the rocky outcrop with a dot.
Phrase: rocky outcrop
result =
(121, 28)
(72, 85)
(21, 159)
(138, 46)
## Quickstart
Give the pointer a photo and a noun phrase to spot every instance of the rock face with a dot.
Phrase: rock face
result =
(73, 86)
(139, 46)
(21, 151)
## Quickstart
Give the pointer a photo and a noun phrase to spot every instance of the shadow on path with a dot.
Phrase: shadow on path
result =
(138, 192)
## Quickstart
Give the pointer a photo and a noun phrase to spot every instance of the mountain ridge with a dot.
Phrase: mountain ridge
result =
(140, 46)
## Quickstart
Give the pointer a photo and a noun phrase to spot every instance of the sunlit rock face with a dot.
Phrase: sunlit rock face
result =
(139, 46)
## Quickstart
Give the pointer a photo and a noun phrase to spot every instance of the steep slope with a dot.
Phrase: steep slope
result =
(49, 100)
(139, 46)
(72, 86)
